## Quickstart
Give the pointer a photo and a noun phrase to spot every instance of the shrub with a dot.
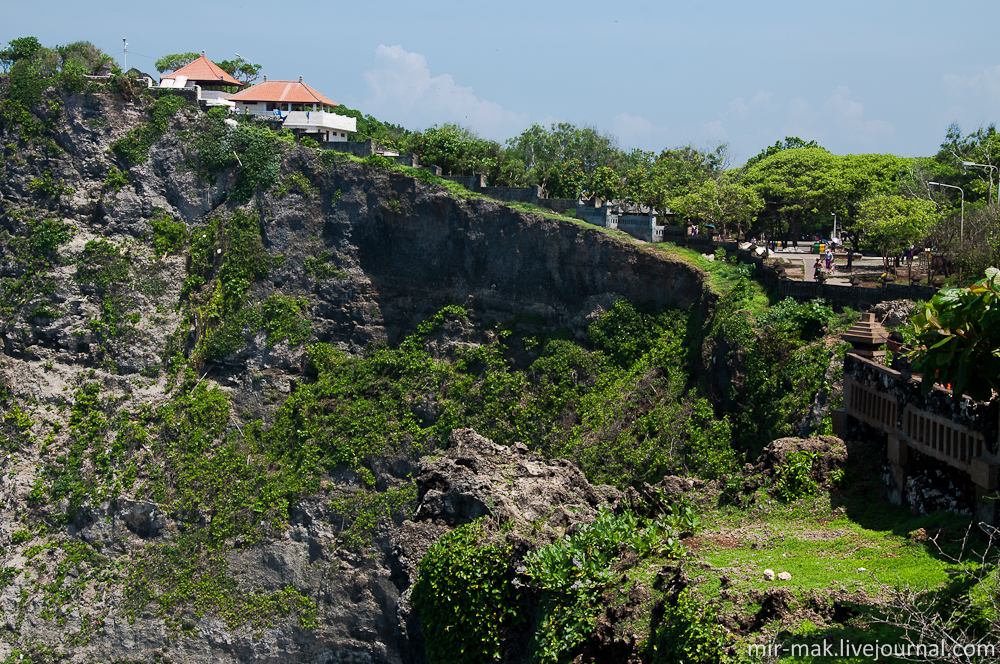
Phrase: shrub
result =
(47, 186)
(627, 332)
(133, 148)
(321, 266)
(286, 317)
(573, 572)
(364, 510)
(169, 237)
(688, 632)
(116, 179)
(258, 150)
(806, 321)
(295, 182)
(331, 157)
(379, 162)
(465, 597)
(959, 336)
(794, 478)
(47, 235)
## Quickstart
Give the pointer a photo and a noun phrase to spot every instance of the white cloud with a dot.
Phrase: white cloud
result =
(837, 123)
(985, 84)
(739, 106)
(637, 131)
(402, 90)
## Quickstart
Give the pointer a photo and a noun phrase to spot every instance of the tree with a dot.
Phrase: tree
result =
(384, 134)
(604, 183)
(175, 61)
(22, 48)
(959, 336)
(981, 147)
(84, 55)
(456, 150)
(800, 187)
(720, 202)
(679, 171)
(861, 177)
(540, 149)
(894, 222)
(243, 71)
(565, 180)
(980, 248)
(790, 143)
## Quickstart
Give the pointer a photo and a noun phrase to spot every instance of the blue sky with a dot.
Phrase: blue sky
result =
(871, 76)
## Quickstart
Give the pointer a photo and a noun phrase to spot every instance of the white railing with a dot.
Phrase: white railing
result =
(317, 119)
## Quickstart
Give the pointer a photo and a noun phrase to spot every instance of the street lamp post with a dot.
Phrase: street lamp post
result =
(951, 186)
(972, 163)
(834, 236)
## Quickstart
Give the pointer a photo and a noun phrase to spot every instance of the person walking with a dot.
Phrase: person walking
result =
(850, 259)
(829, 258)
(818, 271)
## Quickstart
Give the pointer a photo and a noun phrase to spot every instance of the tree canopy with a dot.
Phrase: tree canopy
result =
(720, 202)
(790, 143)
(240, 69)
(892, 223)
(175, 61)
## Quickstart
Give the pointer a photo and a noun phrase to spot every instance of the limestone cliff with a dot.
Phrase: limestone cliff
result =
(104, 314)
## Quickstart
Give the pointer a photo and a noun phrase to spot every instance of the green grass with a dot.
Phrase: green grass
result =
(722, 276)
(822, 564)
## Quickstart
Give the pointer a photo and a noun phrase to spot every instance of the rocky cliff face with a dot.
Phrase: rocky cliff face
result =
(99, 320)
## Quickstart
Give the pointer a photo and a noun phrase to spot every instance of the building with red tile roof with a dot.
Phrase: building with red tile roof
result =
(203, 72)
(295, 93)
(302, 108)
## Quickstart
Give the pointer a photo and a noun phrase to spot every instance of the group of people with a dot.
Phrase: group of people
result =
(830, 264)
(818, 266)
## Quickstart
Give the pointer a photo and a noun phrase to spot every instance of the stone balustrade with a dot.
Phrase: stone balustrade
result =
(964, 435)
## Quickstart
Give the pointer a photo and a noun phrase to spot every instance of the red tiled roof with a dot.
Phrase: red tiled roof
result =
(204, 69)
(291, 92)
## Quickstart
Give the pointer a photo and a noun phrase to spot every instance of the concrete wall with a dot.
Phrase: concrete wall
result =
(598, 216)
(560, 205)
(362, 149)
(477, 183)
(641, 226)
